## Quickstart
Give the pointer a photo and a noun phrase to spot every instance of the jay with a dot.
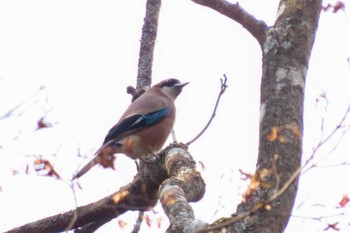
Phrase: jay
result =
(143, 129)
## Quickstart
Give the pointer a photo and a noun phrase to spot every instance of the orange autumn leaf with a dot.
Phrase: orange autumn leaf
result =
(272, 136)
(257, 181)
(43, 165)
(345, 200)
(276, 133)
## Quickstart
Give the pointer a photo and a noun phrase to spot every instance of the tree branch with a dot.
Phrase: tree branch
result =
(141, 194)
(234, 11)
(148, 40)
(183, 185)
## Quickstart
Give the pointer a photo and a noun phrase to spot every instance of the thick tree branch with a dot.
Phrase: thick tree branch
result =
(183, 185)
(141, 194)
(234, 11)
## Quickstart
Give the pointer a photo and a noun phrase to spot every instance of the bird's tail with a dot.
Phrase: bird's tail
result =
(87, 167)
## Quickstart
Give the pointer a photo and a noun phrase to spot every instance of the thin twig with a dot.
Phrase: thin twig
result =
(222, 90)
(258, 206)
(10, 112)
(75, 215)
(138, 222)
(325, 140)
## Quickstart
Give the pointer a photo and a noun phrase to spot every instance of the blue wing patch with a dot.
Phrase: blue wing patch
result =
(135, 123)
(154, 117)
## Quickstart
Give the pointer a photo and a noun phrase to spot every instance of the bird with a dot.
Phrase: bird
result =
(143, 128)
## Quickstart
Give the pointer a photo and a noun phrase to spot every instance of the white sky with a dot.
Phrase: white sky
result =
(85, 53)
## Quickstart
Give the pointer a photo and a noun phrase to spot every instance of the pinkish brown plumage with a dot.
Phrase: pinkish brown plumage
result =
(144, 127)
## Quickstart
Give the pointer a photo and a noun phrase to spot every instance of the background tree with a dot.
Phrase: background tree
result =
(286, 48)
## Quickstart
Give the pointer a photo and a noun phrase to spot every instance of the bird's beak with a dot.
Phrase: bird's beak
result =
(181, 85)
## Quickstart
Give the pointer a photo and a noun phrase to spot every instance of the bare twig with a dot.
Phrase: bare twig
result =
(10, 112)
(75, 214)
(321, 217)
(138, 222)
(258, 206)
(322, 142)
(222, 90)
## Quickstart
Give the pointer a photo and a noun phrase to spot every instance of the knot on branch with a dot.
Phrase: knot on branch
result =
(135, 93)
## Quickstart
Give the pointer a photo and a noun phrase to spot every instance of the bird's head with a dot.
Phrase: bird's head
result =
(171, 87)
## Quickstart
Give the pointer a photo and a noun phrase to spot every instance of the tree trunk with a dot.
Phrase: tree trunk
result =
(286, 53)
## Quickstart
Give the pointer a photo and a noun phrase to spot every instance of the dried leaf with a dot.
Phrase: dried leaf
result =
(345, 200)
(332, 226)
(43, 165)
(122, 224)
(257, 181)
(272, 136)
(42, 124)
(147, 220)
(106, 158)
(339, 5)
(159, 221)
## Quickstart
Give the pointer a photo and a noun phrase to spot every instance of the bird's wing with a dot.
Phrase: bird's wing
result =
(135, 123)
(126, 127)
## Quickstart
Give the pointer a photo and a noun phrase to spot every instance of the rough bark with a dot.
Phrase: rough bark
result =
(148, 40)
(286, 49)
(183, 186)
